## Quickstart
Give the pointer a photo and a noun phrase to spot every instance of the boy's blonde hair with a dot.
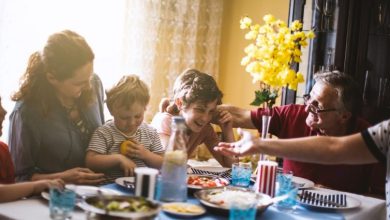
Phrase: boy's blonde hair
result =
(126, 92)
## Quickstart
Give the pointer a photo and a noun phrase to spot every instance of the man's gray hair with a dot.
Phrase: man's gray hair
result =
(347, 89)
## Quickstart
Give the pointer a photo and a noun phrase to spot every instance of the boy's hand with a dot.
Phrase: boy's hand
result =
(132, 149)
(127, 166)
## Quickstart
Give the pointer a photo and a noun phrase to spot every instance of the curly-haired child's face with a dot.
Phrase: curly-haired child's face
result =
(127, 120)
(198, 114)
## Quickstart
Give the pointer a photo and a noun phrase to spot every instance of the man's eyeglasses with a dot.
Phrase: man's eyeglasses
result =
(313, 105)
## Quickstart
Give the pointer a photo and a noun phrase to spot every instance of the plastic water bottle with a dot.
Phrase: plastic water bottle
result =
(174, 170)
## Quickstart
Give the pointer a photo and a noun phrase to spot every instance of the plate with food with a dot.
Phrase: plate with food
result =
(85, 191)
(195, 181)
(183, 209)
(129, 207)
(127, 182)
(222, 198)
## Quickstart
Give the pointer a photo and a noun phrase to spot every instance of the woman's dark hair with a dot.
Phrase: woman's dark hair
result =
(63, 54)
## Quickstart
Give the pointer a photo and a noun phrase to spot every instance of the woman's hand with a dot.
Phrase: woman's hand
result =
(41, 185)
(82, 176)
(247, 145)
(127, 166)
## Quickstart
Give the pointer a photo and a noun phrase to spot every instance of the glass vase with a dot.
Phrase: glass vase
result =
(265, 119)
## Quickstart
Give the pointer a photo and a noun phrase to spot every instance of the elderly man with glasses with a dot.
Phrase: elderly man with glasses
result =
(330, 109)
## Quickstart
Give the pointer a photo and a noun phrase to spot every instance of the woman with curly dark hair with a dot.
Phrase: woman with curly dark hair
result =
(58, 106)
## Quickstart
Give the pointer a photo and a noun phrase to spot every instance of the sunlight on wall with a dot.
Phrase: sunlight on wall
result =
(234, 81)
(25, 26)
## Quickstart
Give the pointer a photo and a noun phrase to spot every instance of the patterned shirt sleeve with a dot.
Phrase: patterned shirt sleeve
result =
(156, 146)
(99, 142)
(377, 139)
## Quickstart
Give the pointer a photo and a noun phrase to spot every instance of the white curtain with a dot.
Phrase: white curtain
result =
(155, 39)
(164, 37)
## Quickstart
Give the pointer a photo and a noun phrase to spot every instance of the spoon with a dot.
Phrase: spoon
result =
(281, 198)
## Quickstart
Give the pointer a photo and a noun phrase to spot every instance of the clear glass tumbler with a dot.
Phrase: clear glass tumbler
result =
(241, 174)
(62, 202)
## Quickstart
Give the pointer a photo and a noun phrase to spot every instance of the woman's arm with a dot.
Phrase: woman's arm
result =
(78, 175)
(350, 149)
(211, 141)
(102, 162)
(21, 143)
(11, 192)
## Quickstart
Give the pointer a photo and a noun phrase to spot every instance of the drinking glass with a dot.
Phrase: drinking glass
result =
(241, 174)
(284, 186)
(240, 210)
(62, 203)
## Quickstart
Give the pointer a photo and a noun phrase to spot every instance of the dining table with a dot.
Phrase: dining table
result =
(37, 207)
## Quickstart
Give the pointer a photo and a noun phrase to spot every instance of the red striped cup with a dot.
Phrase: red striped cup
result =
(266, 175)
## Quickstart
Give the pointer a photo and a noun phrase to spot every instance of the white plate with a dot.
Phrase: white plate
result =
(302, 182)
(352, 202)
(175, 207)
(120, 180)
(220, 181)
(298, 181)
(85, 191)
(212, 169)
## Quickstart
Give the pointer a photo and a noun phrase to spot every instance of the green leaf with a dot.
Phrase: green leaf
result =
(265, 96)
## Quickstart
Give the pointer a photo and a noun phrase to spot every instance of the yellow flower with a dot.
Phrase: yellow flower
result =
(245, 22)
(269, 18)
(251, 35)
(296, 25)
(274, 48)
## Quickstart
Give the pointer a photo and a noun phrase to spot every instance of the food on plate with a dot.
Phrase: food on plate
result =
(138, 204)
(226, 197)
(124, 146)
(206, 181)
(183, 208)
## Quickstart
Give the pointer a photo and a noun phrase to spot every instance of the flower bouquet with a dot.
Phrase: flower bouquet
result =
(274, 48)
(270, 56)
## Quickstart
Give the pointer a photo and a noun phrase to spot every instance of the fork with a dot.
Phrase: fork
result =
(128, 184)
(334, 200)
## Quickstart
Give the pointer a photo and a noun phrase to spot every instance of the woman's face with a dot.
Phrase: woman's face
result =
(127, 120)
(198, 114)
(72, 88)
(3, 112)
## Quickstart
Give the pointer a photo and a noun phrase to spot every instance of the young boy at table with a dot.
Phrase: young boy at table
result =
(195, 98)
(126, 142)
(9, 190)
